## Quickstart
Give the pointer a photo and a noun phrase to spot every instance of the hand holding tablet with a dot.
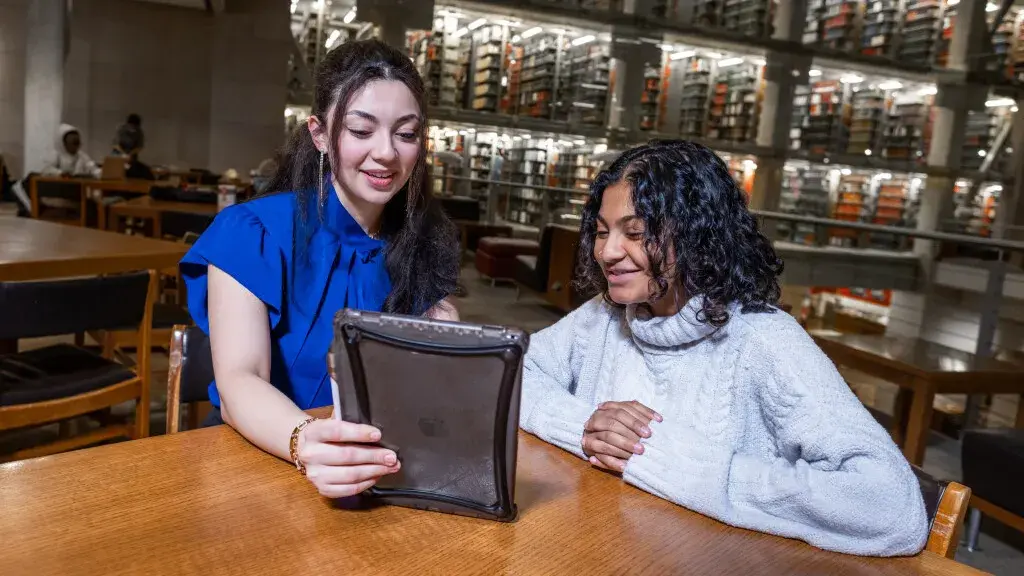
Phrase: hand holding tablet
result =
(445, 398)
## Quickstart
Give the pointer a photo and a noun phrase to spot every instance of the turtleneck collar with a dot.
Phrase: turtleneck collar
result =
(656, 333)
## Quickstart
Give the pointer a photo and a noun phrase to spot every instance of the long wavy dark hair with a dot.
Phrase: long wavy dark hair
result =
(422, 255)
(687, 199)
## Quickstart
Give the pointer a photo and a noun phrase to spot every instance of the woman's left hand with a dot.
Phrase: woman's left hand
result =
(612, 434)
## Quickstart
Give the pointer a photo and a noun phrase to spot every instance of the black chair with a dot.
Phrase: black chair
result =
(531, 272)
(59, 382)
(461, 208)
(180, 224)
(189, 376)
(992, 461)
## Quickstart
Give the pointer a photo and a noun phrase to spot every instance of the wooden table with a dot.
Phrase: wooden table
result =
(149, 208)
(34, 250)
(208, 502)
(88, 188)
(924, 369)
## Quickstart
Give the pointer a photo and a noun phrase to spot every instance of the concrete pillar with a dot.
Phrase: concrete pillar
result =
(628, 60)
(782, 74)
(1009, 222)
(248, 94)
(396, 17)
(13, 14)
(44, 79)
(969, 34)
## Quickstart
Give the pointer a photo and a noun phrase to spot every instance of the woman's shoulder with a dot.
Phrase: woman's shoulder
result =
(273, 212)
(771, 336)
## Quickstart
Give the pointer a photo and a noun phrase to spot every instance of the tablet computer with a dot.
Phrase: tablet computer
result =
(445, 396)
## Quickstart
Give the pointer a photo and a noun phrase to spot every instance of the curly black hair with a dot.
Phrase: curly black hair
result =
(687, 199)
(422, 254)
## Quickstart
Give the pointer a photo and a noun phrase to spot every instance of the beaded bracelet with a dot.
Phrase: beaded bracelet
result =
(293, 445)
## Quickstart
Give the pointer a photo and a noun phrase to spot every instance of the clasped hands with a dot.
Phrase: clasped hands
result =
(613, 433)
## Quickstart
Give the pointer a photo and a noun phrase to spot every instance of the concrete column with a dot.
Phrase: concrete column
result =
(248, 94)
(969, 34)
(13, 14)
(673, 96)
(782, 74)
(1009, 222)
(629, 58)
(44, 79)
(396, 17)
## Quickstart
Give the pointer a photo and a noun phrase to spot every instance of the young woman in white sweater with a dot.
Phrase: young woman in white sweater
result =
(683, 376)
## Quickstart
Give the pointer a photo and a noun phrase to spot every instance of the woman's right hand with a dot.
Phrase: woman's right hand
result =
(338, 461)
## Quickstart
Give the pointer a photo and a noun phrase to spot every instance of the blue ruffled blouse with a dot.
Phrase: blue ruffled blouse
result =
(302, 286)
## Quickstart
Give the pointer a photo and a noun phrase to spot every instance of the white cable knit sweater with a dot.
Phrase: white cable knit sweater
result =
(760, 431)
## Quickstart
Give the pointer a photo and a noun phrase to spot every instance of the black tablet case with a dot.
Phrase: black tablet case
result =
(445, 396)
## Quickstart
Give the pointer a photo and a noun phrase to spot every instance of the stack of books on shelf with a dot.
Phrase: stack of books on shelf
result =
(693, 109)
(805, 191)
(869, 108)
(820, 118)
(881, 21)
(488, 56)
(537, 76)
(734, 105)
(922, 21)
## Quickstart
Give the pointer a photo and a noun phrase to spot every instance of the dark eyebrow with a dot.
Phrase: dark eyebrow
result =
(364, 115)
(372, 118)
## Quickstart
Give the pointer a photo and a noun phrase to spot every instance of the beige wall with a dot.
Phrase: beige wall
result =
(12, 82)
(208, 88)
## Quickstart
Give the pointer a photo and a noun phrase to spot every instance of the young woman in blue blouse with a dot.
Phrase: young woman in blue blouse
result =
(349, 221)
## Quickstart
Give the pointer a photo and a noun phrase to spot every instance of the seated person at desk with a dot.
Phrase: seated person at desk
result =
(128, 145)
(349, 221)
(685, 378)
(68, 158)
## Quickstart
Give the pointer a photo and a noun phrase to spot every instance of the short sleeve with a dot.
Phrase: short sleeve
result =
(237, 243)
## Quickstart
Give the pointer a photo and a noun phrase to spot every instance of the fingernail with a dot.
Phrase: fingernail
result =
(658, 417)
(375, 435)
(638, 448)
(593, 461)
(390, 460)
(645, 431)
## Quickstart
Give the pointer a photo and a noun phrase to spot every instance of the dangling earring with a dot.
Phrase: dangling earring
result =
(321, 196)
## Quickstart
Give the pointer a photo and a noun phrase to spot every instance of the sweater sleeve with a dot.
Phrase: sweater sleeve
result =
(549, 408)
(835, 479)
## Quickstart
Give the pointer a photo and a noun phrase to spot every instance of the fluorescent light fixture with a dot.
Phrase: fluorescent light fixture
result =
(1013, 108)
(509, 23)
(532, 32)
(288, 112)
(846, 171)
(564, 143)
(890, 85)
(350, 16)
(516, 38)
(982, 153)
(583, 40)
(462, 132)
(997, 102)
(477, 23)
(867, 152)
(318, 4)
(929, 90)
(885, 176)
(683, 54)
(758, 61)
(460, 32)
(851, 79)
(729, 62)
(332, 39)
(666, 47)
(990, 7)
(527, 136)
(749, 164)
(580, 142)
(812, 72)
(915, 182)
(294, 7)
(713, 55)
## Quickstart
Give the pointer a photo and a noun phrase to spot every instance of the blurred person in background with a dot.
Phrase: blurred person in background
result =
(68, 158)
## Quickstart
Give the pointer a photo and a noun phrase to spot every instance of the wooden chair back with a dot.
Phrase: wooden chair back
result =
(189, 375)
(946, 505)
(45, 308)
